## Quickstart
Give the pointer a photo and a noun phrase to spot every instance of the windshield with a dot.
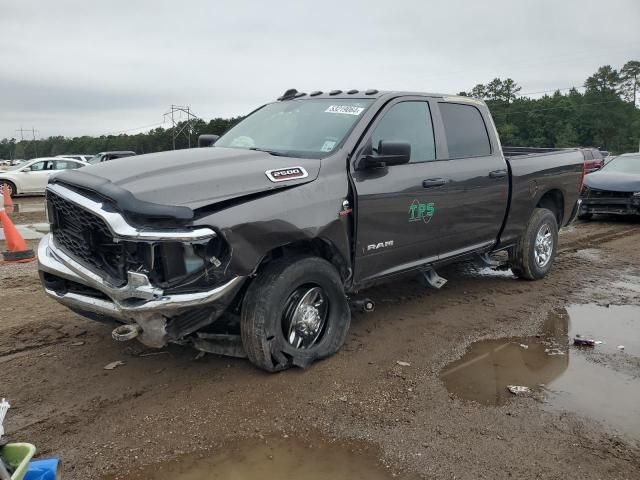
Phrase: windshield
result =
(630, 164)
(297, 128)
(93, 160)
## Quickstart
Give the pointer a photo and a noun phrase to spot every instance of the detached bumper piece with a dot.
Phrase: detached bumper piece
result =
(608, 202)
(167, 281)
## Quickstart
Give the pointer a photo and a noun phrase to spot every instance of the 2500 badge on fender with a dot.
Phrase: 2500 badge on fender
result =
(283, 174)
(258, 245)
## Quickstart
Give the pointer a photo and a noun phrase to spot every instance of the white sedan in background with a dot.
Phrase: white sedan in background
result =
(31, 177)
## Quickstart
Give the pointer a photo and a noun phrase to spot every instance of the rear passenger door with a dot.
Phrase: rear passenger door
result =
(477, 180)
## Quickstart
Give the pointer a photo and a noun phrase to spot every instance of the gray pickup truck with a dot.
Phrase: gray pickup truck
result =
(259, 246)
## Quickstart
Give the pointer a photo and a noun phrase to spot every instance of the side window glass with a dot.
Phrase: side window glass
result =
(65, 165)
(465, 131)
(36, 167)
(408, 122)
(588, 155)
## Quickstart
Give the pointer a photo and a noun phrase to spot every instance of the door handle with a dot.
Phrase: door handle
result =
(498, 174)
(434, 182)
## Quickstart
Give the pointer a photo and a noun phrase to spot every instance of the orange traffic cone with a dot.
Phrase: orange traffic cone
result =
(17, 249)
(8, 202)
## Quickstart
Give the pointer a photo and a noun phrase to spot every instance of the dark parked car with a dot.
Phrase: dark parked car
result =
(258, 245)
(106, 156)
(614, 190)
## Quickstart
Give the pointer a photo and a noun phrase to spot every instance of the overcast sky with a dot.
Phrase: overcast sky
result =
(84, 67)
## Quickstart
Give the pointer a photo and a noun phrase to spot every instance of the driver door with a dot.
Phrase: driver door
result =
(397, 217)
(36, 175)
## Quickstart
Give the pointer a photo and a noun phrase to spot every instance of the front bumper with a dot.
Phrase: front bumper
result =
(630, 206)
(137, 301)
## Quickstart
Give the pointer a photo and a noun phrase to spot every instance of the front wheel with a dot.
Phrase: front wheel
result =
(9, 186)
(534, 254)
(294, 312)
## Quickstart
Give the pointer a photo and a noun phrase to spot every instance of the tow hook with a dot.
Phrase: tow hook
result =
(363, 305)
(127, 332)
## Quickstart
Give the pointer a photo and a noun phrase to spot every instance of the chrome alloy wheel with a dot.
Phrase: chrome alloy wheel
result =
(305, 316)
(544, 246)
(8, 186)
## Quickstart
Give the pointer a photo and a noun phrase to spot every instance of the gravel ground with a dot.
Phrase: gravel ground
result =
(157, 408)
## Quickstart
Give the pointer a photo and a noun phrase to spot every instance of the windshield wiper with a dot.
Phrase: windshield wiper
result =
(275, 153)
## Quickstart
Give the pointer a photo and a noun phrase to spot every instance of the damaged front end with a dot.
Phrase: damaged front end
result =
(167, 283)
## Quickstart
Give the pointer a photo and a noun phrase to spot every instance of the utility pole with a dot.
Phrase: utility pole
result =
(178, 126)
(35, 145)
(21, 130)
(33, 132)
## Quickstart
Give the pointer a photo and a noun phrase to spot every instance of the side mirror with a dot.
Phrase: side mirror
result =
(207, 140)
(389, 153)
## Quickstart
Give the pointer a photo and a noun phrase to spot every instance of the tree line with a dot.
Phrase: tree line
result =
(155, 140)
(605, 115)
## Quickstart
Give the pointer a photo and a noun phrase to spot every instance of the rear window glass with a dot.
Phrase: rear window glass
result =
(588, 155)
(465, 130)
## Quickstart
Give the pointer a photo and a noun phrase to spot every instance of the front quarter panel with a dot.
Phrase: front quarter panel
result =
(302, 213)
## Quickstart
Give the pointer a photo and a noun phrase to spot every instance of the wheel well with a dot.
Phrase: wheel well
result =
(316, 247)
(553, 200)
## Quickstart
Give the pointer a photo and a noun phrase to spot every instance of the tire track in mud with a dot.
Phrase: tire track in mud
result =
(594, 240)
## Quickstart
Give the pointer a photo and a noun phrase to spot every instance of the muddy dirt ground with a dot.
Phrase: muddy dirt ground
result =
(162, 407)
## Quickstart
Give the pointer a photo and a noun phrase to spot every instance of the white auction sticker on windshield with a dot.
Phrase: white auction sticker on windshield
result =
(328, 145)
(346, 109)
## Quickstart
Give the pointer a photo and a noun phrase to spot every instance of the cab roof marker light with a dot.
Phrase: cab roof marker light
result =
(351, 92)
(335, 92)
(289, 94)
(371, 91)
(315, 93)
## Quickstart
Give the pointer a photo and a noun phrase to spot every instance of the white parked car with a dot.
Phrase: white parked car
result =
(32, 176)
(83, 157)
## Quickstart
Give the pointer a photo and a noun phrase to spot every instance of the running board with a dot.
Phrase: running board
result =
(488, 261)
(433, 279)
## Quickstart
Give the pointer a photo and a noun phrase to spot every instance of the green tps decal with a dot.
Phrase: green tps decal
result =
(421, 211)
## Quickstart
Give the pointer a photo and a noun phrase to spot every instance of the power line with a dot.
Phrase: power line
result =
(117, 132)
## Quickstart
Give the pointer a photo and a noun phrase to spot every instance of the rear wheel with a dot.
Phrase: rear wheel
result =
(534, 254)
(294, 312)
(8, 185)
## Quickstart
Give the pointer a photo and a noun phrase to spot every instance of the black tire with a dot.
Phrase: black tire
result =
(585, 216)
(263, 313)
(523, 261)
(12, 187)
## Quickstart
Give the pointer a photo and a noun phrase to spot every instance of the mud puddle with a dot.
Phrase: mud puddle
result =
(600, 382)
(275, 459)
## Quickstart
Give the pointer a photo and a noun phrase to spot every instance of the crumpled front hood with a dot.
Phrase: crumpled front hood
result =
(196, 177)
(613, 181)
